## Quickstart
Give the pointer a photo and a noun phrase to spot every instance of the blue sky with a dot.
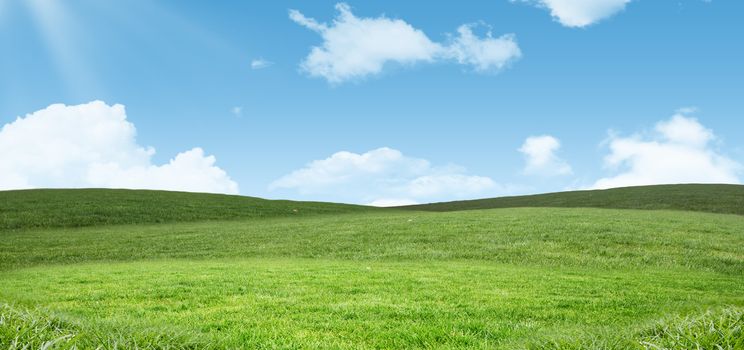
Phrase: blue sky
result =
(609, 93)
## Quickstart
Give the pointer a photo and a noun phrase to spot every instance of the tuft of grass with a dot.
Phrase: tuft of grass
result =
(721, 329)
(725, 199)
(22, 329)
(715, 329)
(25, 329)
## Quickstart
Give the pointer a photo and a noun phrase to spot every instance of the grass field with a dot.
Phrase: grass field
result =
(89, 207)
(214, 274)
(725, 199)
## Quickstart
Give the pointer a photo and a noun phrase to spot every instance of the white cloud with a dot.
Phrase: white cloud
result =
(383, 176)
(391, 202)
(487, 54)
(540, 157)
(356, 47)
(679, 151)
(93, 145)
(260, 63)
(580, 13)
(452, 184)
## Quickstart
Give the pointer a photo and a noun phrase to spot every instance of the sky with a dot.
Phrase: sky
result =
(375, 102)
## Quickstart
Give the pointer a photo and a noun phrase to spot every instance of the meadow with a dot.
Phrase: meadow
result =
(118, 269)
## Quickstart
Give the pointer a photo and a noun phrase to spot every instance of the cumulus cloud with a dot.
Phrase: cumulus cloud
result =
(540, 157)
(580, 13)
(383, 176)
(93, 145)
(680, 150)
(355, 47)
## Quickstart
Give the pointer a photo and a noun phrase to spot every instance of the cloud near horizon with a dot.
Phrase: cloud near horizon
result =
(383, 177)
(355, 47)
(679, 150)
(93, 145)
(580, 13)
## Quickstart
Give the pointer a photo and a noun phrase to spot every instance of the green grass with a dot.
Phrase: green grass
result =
(717, 329)
(291, 303)
(726, 199)
(48, 208)
(550, 237)
(516, 278)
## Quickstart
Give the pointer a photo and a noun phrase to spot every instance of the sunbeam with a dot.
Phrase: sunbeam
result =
(57, 28)
(3, 9)
(144, 19)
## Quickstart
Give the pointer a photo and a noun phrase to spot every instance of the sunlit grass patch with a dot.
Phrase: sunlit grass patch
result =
(301, 303)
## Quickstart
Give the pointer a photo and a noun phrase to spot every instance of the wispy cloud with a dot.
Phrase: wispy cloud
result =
(355, 47)
(260, 63)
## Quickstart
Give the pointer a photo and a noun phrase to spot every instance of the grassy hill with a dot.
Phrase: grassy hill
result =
(89, 207)
(728, 199)
(511, 278)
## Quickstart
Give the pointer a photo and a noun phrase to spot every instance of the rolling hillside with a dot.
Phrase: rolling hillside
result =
(236, 272)
(89, 207)
(726, 199)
